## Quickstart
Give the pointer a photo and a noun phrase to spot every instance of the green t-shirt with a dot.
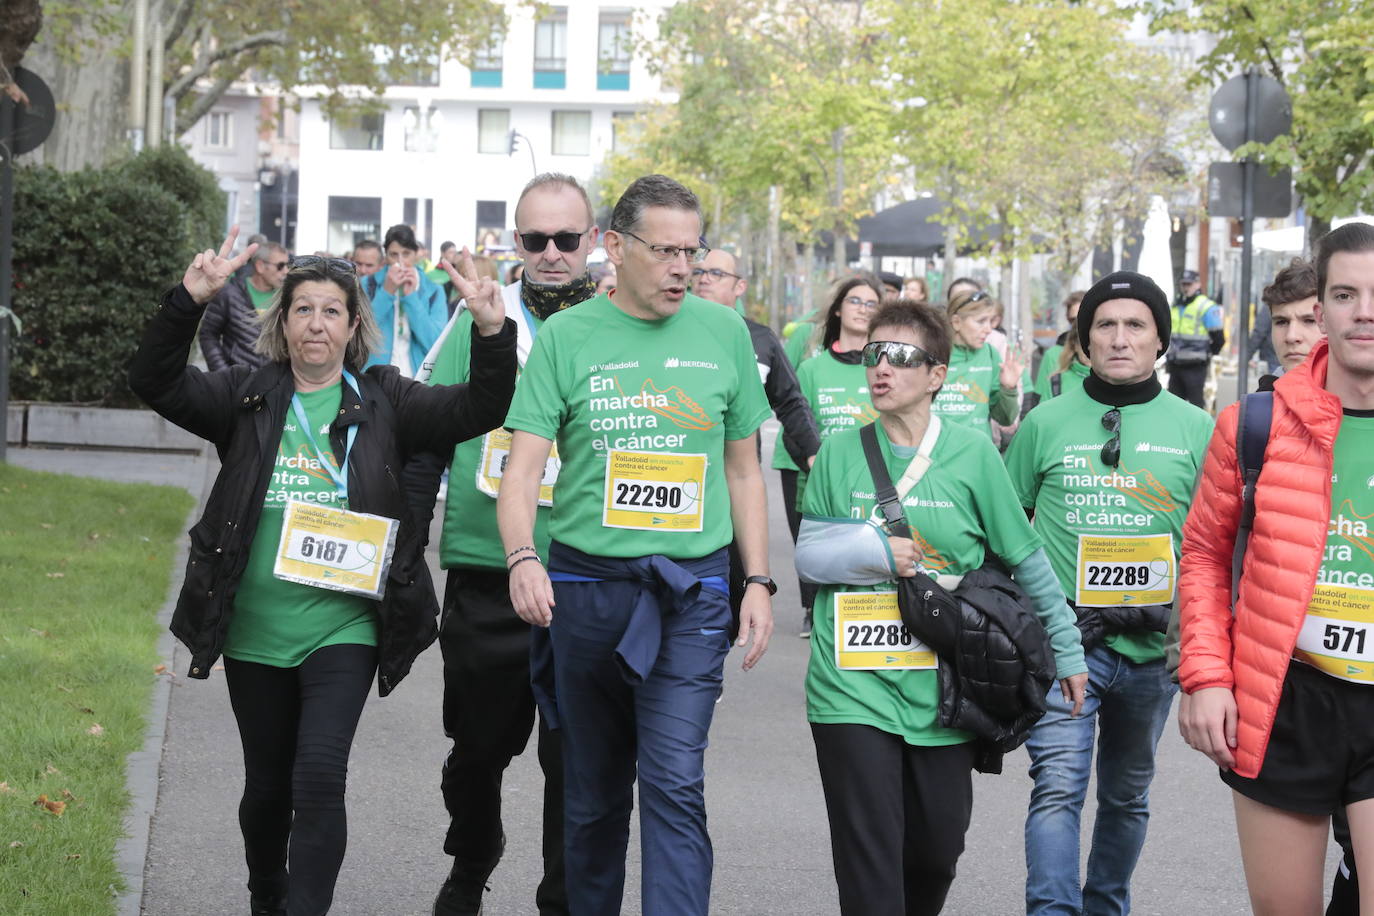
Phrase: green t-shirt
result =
(1335, 632)
(963, 506)
(797, 347)
(1049, 364)
(1128, 520)
(971, 387)
(276, 622)
(838, 395)
(470, 537)
(261, 300)
(641, 411)
(1071, 379)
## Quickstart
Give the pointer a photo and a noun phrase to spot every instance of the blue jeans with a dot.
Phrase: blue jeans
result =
(1129, 704)
(613, 731)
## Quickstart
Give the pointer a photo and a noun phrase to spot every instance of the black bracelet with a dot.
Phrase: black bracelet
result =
(519, 550)
(533, 556)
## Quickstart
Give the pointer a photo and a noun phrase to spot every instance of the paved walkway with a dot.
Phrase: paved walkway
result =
(764, 800)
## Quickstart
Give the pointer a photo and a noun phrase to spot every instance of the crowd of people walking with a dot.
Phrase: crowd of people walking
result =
(987, 560)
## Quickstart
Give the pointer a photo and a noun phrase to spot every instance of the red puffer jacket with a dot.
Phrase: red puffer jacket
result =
(1251, 652)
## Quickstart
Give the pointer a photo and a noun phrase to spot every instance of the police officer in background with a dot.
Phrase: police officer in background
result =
(1197, 337)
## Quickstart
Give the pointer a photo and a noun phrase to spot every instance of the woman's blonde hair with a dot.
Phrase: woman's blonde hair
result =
(366, 337)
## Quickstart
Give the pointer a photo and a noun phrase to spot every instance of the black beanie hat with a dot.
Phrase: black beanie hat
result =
(1126, 284)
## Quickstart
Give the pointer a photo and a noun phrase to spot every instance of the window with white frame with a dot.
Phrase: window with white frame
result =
(572, 133)
(614, 42)
(551, 40)
(219, 133)
(493, 129)
(363, 131)
(489, 55)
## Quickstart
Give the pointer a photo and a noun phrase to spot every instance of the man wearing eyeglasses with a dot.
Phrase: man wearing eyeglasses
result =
(654, 399)
(229, 330)
(1107, 472)
(717, 279)
(488, 704)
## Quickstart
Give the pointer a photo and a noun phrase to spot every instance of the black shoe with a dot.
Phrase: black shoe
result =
(461, 894)
(267, 906)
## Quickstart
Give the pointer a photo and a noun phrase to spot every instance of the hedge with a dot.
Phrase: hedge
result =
(93, 251)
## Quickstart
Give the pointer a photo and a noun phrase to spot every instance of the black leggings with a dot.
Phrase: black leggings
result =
(297, 726)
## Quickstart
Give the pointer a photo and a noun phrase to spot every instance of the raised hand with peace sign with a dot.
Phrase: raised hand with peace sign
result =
(483, 295)
(209, 271)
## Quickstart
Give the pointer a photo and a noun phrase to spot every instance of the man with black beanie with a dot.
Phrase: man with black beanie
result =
(1107, 472)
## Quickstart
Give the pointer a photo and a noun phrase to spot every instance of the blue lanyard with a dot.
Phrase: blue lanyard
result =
(340, 477)
(529, 319)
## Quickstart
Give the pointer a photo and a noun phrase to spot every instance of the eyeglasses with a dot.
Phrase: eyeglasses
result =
(670, 252)
(1111, 451)
(277, 265)
(715, 273)
(869, 304)
(958, 305)
(314, 260)
(899, 355)
(538, 241)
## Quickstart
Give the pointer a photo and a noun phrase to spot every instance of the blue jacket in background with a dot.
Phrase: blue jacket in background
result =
(426, 310)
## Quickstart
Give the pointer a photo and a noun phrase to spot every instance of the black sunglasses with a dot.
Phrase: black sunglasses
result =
(1111, 450)
(535, 242)
(899, 355)
(314, 260)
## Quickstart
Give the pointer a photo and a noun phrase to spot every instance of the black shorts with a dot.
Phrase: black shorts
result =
(1321, 751)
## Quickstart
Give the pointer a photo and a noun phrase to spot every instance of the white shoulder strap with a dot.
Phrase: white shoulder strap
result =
(919, 464)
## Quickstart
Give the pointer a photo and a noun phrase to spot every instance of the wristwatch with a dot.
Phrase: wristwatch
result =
(764, 581)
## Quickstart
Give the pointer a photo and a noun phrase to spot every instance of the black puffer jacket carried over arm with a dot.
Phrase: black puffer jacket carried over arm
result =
(242, 412)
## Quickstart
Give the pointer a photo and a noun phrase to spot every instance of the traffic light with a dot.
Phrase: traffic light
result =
(510, 142)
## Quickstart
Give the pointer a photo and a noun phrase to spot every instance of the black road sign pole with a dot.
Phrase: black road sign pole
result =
(1247, 227)
(6, 249)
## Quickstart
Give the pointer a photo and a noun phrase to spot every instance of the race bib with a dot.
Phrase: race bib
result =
(492, 466)
(1120, 569)
(658, 491)
(1336, 635)
(335, 549)
(870, 635)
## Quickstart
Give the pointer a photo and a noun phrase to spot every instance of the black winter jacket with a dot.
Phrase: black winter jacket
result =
(229, 330)
(996, 663)
(242, 412)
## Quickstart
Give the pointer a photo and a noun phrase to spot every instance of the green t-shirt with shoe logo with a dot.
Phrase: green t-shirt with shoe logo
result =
(1113, 535)
(838, 395)
(277, 622)
(971, 387)
(641, 411)
(1336, 635)
(962, 507)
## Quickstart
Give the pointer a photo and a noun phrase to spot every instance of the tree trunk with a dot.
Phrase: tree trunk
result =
(91, 94)
(806, 296)
(1317, 226)
(837, 201)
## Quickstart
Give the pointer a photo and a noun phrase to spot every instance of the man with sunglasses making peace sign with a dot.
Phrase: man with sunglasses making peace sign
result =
(488, 704)
(229, 330)
(1108, 473)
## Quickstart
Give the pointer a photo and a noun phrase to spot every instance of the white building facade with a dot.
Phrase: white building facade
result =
(450, 158)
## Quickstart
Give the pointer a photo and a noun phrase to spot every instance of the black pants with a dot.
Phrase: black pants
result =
(898, 814)
(297, 726)
(1345, 891)
(794, 516)
(488, 713)
(1188, 383)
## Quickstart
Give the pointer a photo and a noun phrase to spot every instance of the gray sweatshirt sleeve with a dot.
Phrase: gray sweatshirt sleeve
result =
(1037, 577)
(841, 551)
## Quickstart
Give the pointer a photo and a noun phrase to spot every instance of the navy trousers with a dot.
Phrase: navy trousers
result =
(614, 722)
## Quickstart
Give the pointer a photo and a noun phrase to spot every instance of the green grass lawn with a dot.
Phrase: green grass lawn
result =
(84, 568)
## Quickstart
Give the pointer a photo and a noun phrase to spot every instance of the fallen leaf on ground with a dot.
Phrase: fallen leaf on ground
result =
(159, 669)
(16, 844)
(96, 729)
(5, 789)
(56, 575)
(52, 770)
(44, 525)
(86, 709)
(67, 795)
(52, 807)
(74, 855)
(39, 632)
(218, 668)
(64, 689)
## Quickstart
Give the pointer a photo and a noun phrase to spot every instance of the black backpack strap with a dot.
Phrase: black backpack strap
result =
(1256, 415)
(883, 489)
(1057, 384)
